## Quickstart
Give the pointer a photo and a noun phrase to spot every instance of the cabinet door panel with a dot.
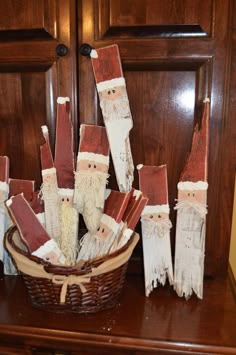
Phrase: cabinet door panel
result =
(32, 74)
(169, 72)
(26, 18)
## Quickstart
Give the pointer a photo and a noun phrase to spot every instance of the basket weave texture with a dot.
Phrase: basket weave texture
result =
(94, 286)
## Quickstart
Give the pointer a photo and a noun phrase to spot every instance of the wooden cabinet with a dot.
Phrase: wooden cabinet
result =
(174, 54)
(37, 64)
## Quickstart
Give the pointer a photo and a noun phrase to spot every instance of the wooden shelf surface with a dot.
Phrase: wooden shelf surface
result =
(137, 324)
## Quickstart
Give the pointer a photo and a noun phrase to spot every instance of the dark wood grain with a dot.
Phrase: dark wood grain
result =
(38, 17)
(167, 80)
(153, 18)
(137, 325)
(32, 76)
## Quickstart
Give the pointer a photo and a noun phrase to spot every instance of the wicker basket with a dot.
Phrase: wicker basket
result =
(94, 286)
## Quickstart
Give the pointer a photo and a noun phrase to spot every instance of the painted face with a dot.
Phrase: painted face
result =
(192, 195)
(103, 231)
(49, 178)
(113, 93)
(66, 200)
(91, 166)
(51, 257)
(155, 217)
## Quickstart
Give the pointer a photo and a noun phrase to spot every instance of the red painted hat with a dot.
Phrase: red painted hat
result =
(17, 186)
(33, 234)
(94, 144)
(114, 208)
(134, 209)
(194, 175)
(64, 155)
(4, 173)
(153, 184)
(46, 154)
(107, 67)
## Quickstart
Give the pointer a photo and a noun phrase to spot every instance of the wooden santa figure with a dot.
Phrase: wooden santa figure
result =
(115, 108)
(191, 214)
(17, 186)
(100, 243)
(64, 164)
(49, 189)
(31, 231)
(155, 227)
(132, 214)
(91, 174)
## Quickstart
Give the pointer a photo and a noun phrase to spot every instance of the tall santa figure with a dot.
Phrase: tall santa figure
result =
(32, 232)
(64, 164)
(91, 174)
(115, 108)
(191, 214)
(49, 189)
(155, 227)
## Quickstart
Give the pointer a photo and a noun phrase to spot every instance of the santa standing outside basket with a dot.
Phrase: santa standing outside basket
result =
(191, 214)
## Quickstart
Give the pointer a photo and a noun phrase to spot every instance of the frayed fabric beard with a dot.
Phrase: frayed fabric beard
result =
(89, 197)
(159, 229)
(69, 233)
(185, 206)
(49, 194)
(115, 109)
(49, 191)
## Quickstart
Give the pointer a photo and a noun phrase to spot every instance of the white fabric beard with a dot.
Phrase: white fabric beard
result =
(160, 228)
(190, 248)
(93, 246)
(88, 247)
(89, 197)
(185, 205)
(69, 232)
(115, 109)
(156, 253)
(49, 194)
(95, 182)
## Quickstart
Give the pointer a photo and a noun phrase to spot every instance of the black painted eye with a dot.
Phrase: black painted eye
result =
(109, 92)
(98, 229)
(188, 194)
(193, 194)
(95, 166)
(89, 165)
(103, 230)
(113, 91)
(159, 216)
(62, 199)
(67, 199)
(151, 216)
